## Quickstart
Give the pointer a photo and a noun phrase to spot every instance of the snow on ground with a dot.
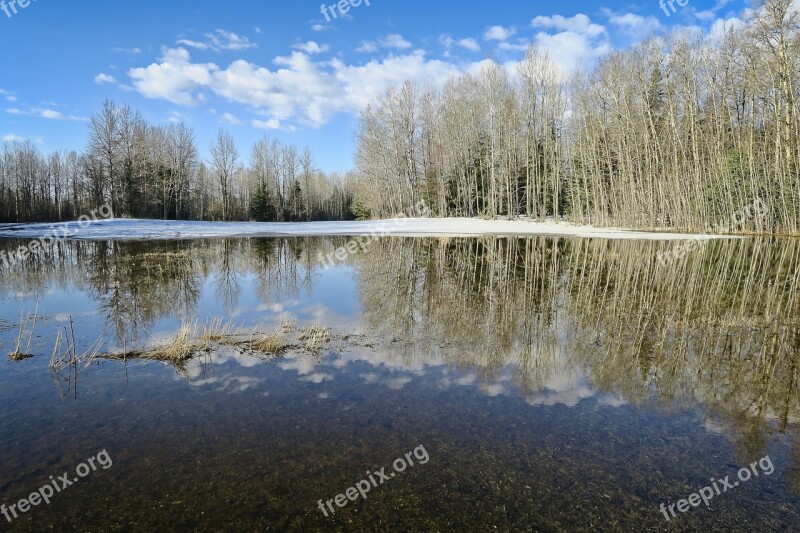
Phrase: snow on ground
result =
(132, 229)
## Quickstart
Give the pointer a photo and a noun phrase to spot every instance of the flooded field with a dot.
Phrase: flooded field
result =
(512, 384)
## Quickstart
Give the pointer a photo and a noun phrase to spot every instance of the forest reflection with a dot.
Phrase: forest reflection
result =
(717, 331)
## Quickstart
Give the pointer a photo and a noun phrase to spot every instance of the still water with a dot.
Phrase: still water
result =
(554, 384)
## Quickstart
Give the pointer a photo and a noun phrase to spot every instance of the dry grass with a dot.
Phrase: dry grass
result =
(315, 337)
(216, 330)
(194, 338)
(181, 347)
(18, 354)
(271, 343)
(64, 357)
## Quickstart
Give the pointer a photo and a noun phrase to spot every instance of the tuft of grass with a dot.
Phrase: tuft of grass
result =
(181, 347)
(18, 354)
(287, 326)
(315, 337)
(271, 343)
(216, 330)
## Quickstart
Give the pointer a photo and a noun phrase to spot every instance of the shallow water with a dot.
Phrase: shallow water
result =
(553, 384)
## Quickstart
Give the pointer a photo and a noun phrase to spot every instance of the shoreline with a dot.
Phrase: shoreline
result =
(140, 229)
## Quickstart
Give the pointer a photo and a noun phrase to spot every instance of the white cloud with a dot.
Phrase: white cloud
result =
(11, 138)
(635, 26)
(499, 33)
(297, 89)
(710, 14)
(721, 27)
(174, 78)
(367, 47)
(128, 50)
(104, 78)
(11, 98)
(271, 124)
(470, 44)
(320, 27)
(220, 40)
(394, 40)
(579, 24)
(43, 113)
(53, 115)
(312, 47)
(193, 44)
(522, 46)
(571, 42)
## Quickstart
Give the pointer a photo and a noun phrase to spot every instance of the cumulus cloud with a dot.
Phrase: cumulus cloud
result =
(312, 47)
(470, 44)
(104, 78)
(304, 88)
(499, 33)
(633, 25)
(173, 78)
(295, 88)
(579, 24)
(571, 42)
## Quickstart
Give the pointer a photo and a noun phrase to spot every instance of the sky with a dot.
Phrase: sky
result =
(284, 69)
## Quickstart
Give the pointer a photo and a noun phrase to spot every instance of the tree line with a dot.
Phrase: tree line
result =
(147, 171)
(679, 131)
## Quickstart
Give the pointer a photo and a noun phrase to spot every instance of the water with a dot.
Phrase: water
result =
(554, 384)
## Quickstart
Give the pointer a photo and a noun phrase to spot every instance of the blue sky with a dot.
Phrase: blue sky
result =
(279, 67)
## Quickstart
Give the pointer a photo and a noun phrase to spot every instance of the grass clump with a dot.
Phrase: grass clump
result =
(216, 330)
(315, 337)
(271, 343)
(19, 354)
(181, 347)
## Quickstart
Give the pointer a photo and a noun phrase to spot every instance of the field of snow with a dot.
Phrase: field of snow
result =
(132, 229)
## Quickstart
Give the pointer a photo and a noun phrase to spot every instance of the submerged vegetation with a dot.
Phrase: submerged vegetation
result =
(193, 339)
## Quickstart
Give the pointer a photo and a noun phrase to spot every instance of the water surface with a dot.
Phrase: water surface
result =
(556, 385)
